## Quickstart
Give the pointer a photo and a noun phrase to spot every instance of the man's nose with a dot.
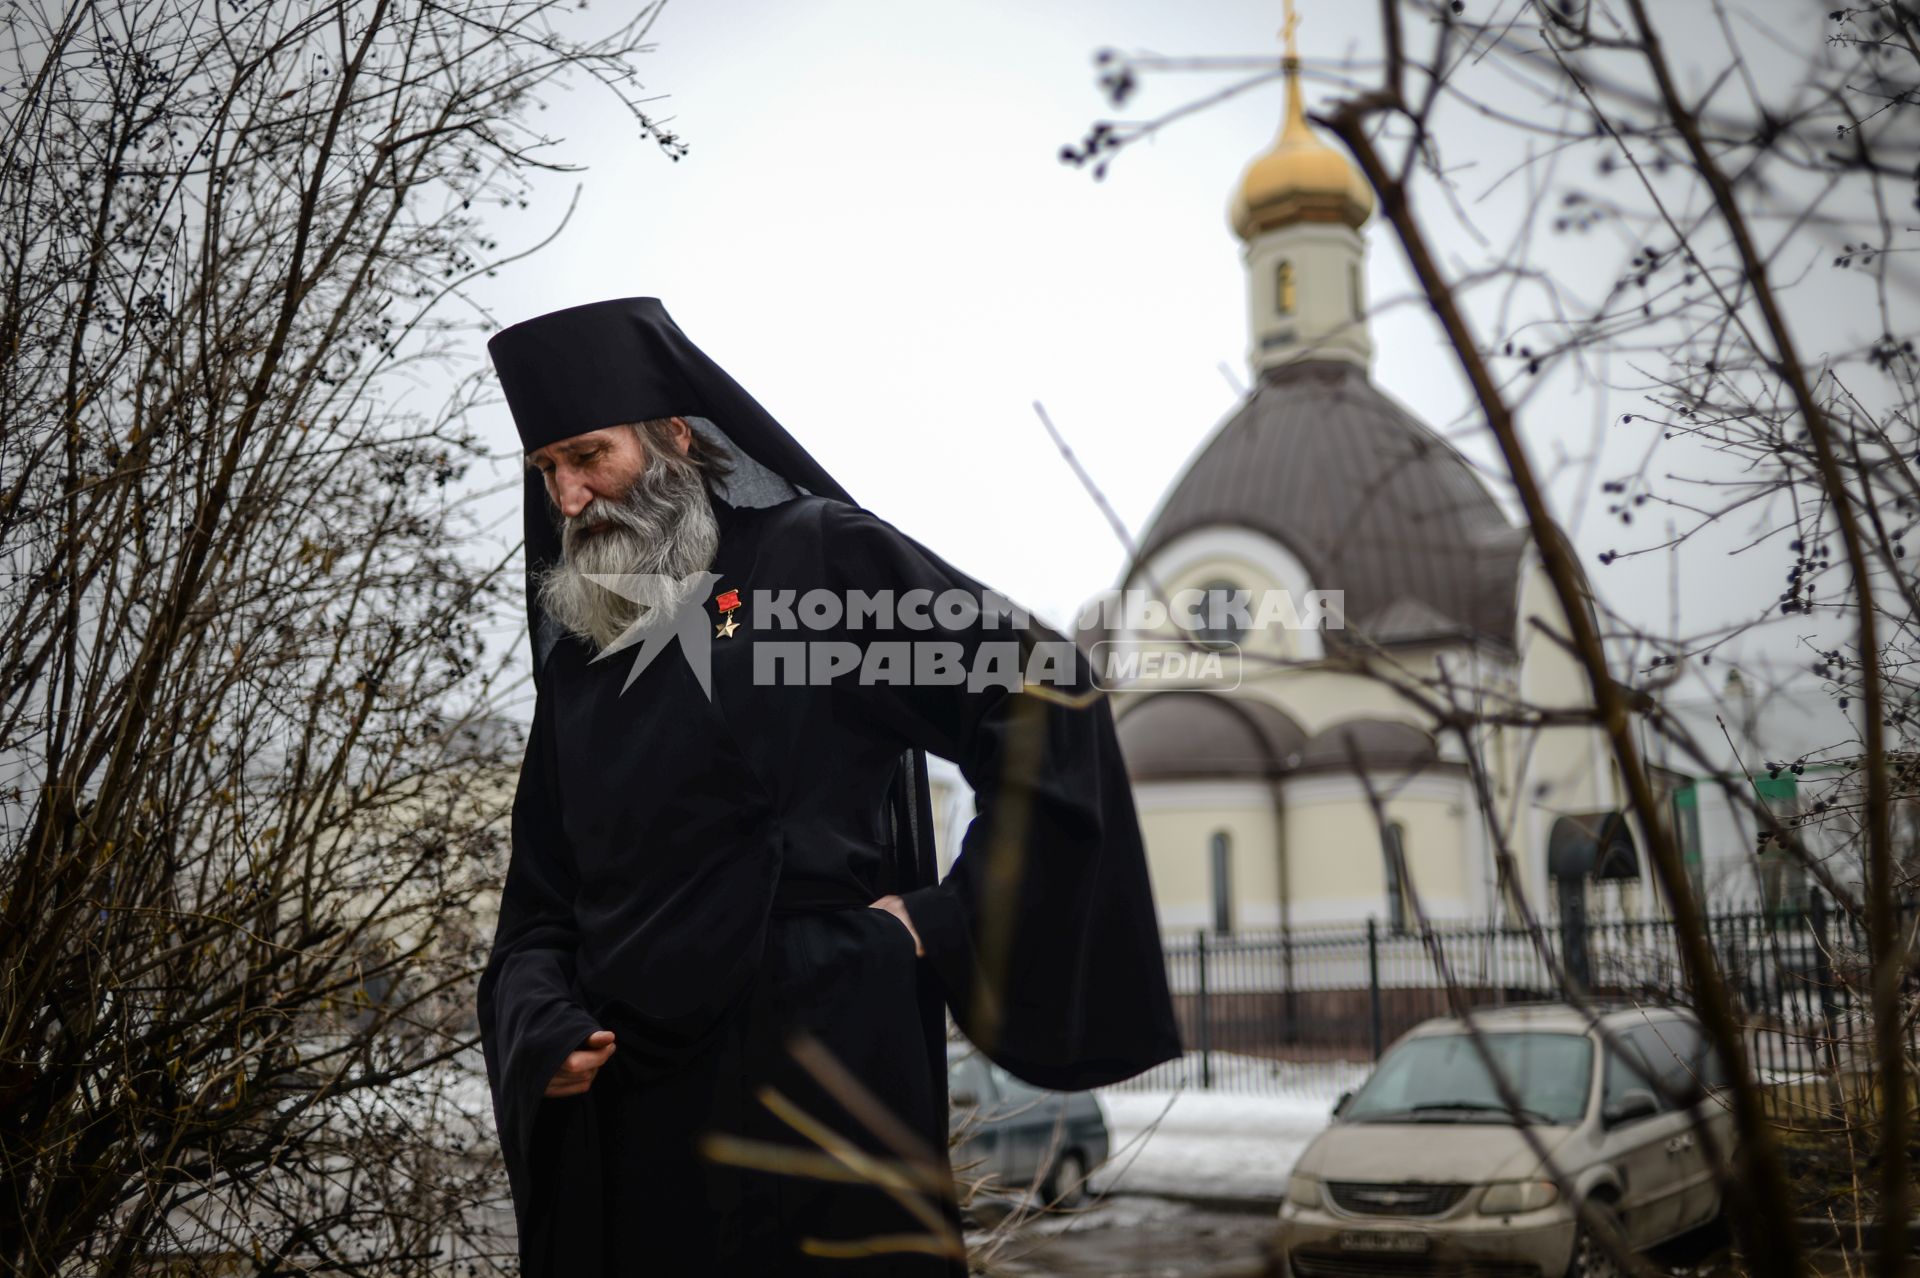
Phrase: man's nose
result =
(570, 491)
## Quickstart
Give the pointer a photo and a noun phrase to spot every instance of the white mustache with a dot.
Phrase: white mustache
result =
(664, 526)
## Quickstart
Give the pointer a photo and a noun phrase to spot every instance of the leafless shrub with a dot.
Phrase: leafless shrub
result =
(252, 738)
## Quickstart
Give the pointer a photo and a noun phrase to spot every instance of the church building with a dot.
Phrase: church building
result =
(1257, 785)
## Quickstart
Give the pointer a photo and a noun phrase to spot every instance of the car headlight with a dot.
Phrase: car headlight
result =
(1511, 1197)
(1303, 1191)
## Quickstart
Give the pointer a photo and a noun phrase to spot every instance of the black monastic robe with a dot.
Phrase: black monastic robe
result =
(694, 874)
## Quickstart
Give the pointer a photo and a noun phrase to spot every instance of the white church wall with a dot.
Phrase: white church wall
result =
(1179, 820)
(1321, 699)
(1336, 885)
(1252, 562)
(1325, 261)
(1336, 866)
(953, 810)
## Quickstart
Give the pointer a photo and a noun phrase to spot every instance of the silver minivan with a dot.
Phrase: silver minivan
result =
(1426, 1170)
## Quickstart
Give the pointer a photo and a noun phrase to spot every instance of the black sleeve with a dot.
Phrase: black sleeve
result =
(529, 1020)
(1043, 935)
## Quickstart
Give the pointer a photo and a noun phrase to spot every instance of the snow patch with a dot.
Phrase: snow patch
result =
(1212, 1144)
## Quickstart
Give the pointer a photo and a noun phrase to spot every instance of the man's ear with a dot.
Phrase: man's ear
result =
(682, 434)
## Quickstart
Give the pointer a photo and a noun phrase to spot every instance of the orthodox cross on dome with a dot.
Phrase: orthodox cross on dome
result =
(1299, 178)
(1295, 124)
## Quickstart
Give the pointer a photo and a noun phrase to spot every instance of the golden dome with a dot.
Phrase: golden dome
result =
(1300, 178)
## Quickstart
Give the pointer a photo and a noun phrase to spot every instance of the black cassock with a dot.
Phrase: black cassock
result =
(694, 873)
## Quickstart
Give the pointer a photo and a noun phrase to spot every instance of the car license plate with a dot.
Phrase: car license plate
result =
(1399, 1241)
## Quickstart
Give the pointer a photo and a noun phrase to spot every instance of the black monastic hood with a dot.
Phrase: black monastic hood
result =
(625, 360)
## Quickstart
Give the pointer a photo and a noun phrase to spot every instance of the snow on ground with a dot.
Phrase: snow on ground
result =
(1207, 1144)
(1237, 1072)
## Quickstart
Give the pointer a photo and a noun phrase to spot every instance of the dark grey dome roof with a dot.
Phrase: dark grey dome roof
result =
(1207, 734)
(1170, 736)
(1380, 743)
(1371, 500)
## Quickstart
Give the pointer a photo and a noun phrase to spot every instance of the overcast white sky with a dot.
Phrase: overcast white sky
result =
(874, 234)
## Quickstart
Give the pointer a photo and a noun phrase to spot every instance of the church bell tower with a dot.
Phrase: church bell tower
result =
(1298, 210)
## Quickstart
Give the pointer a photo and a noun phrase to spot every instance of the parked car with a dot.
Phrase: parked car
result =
(1020, 1135)
(1425, 1169)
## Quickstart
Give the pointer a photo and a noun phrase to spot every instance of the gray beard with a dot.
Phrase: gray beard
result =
(665, 525)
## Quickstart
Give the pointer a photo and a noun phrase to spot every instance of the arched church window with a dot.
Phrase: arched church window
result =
(1221, 625)
(1283, 288)
(1395, 836)
(1356, 304)
(1220, 856)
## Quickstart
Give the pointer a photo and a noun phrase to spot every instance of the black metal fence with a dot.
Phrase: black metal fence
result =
(1308, 1009)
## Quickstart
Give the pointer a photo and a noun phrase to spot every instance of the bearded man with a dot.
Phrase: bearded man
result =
(714, 1014)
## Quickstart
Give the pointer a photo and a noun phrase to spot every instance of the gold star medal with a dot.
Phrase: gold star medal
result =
(726, 603)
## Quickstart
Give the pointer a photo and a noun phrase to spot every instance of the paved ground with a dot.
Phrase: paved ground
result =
(1133, 1237)
(1127, 1236)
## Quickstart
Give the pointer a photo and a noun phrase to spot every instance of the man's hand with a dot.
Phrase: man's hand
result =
(576, 1076)
(893, 905)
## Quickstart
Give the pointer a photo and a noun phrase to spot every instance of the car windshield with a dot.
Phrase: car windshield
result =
(1442, 1078)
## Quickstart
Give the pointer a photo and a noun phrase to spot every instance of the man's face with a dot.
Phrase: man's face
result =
(601, 464)
(632, 506)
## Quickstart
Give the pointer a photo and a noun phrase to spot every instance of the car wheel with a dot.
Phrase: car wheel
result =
(1590, 1258)
(1067, 1185)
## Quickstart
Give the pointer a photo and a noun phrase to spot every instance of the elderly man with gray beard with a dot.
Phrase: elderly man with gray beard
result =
(714, 1012)
(625, 517)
